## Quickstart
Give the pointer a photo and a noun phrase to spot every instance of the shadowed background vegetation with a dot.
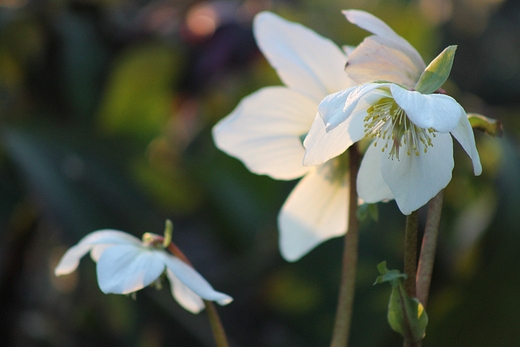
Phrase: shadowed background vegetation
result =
(106, 109)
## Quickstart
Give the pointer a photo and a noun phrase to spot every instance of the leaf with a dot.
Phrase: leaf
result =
(367, 210)
(388, 275)
(435, 74)
(406, 315)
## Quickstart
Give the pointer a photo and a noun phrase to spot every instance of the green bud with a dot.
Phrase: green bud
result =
(435, 74)
(489, 126)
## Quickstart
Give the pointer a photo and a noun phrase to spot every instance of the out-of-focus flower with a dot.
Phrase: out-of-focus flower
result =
(411, 159)
(126, 264)
(266, 129)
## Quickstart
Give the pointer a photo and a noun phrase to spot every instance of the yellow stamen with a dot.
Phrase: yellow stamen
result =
(388, 122)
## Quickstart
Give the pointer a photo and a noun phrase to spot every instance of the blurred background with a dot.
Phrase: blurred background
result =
(106, 109)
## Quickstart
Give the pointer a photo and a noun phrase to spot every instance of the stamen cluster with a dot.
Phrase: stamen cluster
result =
(387, 121)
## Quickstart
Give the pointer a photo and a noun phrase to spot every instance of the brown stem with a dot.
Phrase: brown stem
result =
(410, 252)
(219, 334)
(410, 260)
(429, 245)
(350, 253)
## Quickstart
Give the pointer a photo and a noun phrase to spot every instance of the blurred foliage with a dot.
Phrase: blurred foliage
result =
(106, 108)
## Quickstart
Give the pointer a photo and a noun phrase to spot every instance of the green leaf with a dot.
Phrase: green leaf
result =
(388, 275)
(373, 212)
(406, 315)
(489, 126)
(435, 74)
(367, 210)
(362, 212)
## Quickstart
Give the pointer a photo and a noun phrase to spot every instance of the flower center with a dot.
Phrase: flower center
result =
(388, 123)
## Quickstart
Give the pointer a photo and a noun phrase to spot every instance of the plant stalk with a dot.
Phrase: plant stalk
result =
(410, 252)
(343, 319)
(410, 260)
(429, 245)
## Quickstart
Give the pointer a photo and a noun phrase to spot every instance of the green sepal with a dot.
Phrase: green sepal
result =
(405, 315)
(490, 126)
(435, 74)
(367, 210)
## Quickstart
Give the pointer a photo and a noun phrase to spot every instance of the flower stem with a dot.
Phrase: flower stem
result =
(350, 253)
(410, 260)
(410, 252)
(219, 334)
(429, 244)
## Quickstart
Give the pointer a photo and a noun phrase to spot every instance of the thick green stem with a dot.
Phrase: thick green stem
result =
(350, 253)
(429, 245)
(410, 252)
(219, 334)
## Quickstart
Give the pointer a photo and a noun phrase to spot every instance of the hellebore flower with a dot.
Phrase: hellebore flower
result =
(126, 264)
(266, 129)
(411, 158)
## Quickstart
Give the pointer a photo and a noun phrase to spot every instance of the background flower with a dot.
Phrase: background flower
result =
(265, 131)
(125, 265)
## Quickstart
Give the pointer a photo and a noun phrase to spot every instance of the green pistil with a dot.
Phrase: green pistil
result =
(388, 122)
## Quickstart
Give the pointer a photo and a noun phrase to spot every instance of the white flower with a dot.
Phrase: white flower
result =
(266, 129)
(125, 265)
(411, 158)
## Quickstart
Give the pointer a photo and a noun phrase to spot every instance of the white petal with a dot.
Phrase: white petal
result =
(97, 250)
(464, 134)
(376, 26)
(184, 295)
(343, 114)
(322, 145)
(70, 260)
(337, 107)
(124, 269)
(437, 111)
(194, 281)
(314, 212)
(370, 23)
(374, 60)
(415, 179)
(264, 131)
(304, 60)
(371, 185)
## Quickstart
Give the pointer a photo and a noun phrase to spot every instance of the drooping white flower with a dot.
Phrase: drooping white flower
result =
(126, 264)
(266, 129)
(411, 158)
